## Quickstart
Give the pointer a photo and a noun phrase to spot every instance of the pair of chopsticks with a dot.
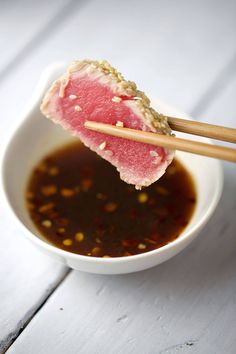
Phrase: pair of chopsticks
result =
(171, 142)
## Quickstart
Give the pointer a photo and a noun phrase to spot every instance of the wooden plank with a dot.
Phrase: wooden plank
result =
(27, 279)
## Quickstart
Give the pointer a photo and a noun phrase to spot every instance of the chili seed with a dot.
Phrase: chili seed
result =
(67, 242)
(110, 207)
(101, 196)
(61, 230)
(162, 190)
(79, 236)
(53, 171)
(46, 207)
(49, 190)
(95, 251)
(142, 197)
(142, 246)
(67, 193)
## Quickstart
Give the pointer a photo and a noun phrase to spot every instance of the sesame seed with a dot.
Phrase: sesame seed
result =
(102, 145)
(119, 123)
(72, 97)
(153, 153)
(141, 246)
(78, 108)
(116, 99)
(67, 242)
(47, 223)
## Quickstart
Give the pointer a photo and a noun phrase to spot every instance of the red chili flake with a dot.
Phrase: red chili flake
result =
(156, 236)
(110, 207)
(101, 196)
(162, 190)
(52, 215)
(129, 243)
(151, 201)
(86, 184)
(67, 192)
(46, 207)
(49, 190)
(87, 171)
(130, 189)
(77, 189)
(127, 254)
(133, 214)
(161, 211)
(126, 98)
(62, 221)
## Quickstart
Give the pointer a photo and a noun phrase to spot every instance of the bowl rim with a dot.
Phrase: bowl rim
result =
(34, 102)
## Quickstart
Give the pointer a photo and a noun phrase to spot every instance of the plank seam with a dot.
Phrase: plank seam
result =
(215, 88)
(7, 342)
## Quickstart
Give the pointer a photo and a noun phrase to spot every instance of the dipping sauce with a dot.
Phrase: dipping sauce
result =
(79, 204)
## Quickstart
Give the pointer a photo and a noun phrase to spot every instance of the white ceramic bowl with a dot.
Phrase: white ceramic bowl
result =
(36, 136)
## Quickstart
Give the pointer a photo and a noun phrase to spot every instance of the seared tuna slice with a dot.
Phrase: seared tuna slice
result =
(91, 90)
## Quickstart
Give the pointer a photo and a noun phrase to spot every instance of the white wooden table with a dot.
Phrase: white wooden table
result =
(185, 53)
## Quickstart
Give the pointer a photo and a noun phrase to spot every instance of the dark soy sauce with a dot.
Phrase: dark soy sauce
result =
(79, 204)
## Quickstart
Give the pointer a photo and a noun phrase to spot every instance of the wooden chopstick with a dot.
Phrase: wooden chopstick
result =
(170, 142)
(203, 129)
